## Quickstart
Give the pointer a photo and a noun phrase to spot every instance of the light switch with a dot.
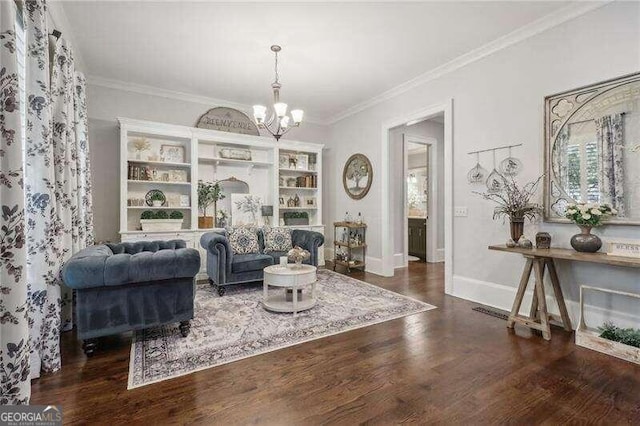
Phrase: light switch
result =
(460, 211)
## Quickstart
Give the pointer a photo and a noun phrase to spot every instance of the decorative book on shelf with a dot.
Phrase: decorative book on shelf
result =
(350, 245)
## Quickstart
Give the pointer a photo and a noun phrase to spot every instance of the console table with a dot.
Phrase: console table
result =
(538, 260)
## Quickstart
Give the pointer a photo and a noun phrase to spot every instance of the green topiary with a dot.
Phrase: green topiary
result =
(296, 215)
(147, 214)
(161, 214)
(628, 336)
(176, 215)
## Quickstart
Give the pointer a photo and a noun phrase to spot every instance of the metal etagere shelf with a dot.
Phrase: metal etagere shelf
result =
(355, 239)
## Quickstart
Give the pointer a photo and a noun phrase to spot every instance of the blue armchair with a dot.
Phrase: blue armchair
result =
(131, 286)
(226, 268)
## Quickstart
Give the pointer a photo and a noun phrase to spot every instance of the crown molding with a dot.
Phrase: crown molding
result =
(144, 89)
(538, 26)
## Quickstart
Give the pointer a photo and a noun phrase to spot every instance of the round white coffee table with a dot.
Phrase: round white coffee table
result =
(292, 279)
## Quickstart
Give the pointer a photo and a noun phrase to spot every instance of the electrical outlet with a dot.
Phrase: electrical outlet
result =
(460, 212)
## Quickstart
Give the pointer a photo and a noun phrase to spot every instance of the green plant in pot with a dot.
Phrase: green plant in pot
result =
(157, 199)
(161, 214)
(586, 216)
(176, 215)
(208, 193)
(514, 202)
(296, 218)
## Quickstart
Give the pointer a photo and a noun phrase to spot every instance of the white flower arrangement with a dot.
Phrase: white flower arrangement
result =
(589, 214)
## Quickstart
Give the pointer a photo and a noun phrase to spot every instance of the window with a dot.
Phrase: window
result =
(582, 171)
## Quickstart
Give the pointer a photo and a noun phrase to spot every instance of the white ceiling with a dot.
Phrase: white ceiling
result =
(334, 55)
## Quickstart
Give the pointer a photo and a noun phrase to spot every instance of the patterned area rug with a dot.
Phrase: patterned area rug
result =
(236, 326)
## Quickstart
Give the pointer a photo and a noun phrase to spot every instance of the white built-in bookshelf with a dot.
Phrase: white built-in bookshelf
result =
(285, 174)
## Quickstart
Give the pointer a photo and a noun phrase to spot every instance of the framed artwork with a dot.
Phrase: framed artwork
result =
(302, 162)
(177, 175)
(172, 153)
(283, 162)
(281, 201)
(236, 154)
(357, 176)
(246, 209)
(310, 202)
(184, 201)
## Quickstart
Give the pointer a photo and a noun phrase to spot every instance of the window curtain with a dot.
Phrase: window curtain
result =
(561, 156)
(46, 212)
(610, 138)
(15, 387)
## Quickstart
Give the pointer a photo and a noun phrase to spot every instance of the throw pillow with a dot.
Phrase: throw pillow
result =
(277, 239)
(243, 240)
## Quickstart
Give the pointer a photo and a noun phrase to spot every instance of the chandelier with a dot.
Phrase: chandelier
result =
(279, 122)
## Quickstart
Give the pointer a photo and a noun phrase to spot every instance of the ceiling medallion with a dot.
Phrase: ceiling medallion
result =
(278, 123)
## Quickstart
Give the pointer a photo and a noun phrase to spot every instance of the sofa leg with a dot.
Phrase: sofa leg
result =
(185, 327)
(218, 288)
(89, 347)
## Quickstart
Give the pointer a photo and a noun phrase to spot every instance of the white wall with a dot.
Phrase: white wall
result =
(425, 129)
(104, 105)
(499, 100)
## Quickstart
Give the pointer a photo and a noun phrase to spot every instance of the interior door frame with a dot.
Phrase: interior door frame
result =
(432, 199)
(386, 236)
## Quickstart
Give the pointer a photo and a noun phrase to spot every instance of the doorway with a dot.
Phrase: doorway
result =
(419, 188)
(392, 213)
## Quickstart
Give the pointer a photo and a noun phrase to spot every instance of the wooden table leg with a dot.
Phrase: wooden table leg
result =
(524, 280)
(542, 301)
(533, 313)
(557, 290)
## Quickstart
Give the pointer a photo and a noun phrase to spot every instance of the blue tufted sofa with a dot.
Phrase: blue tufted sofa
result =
(226, 268)
(131, 286)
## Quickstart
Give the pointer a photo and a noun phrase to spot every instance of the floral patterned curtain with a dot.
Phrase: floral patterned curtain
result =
(610, 138)
(15, 387)
(43, 222)
(560, 156)
(58, 211)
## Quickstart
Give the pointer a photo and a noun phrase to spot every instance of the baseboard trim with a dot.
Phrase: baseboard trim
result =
(328, 254)
(502, 296)
(398, 261)
(374, 266)
(439, 256)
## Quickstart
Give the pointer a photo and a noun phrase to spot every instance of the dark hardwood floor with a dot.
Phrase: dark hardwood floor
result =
(449, 365)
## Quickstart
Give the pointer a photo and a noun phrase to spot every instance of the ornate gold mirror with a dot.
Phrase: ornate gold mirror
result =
(592, 149)
(357, 176)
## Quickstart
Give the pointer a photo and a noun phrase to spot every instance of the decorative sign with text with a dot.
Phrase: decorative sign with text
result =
(228, 120)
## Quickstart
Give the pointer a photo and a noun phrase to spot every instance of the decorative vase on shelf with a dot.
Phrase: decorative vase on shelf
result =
(516, 226)
(585, 241)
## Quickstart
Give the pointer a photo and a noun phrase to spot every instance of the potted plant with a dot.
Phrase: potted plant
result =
(141, 145)
(586, 216)
(515, 203)
(208, 193)
(296, 218)
(222, 218)
(157, 199)
(161, 221)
